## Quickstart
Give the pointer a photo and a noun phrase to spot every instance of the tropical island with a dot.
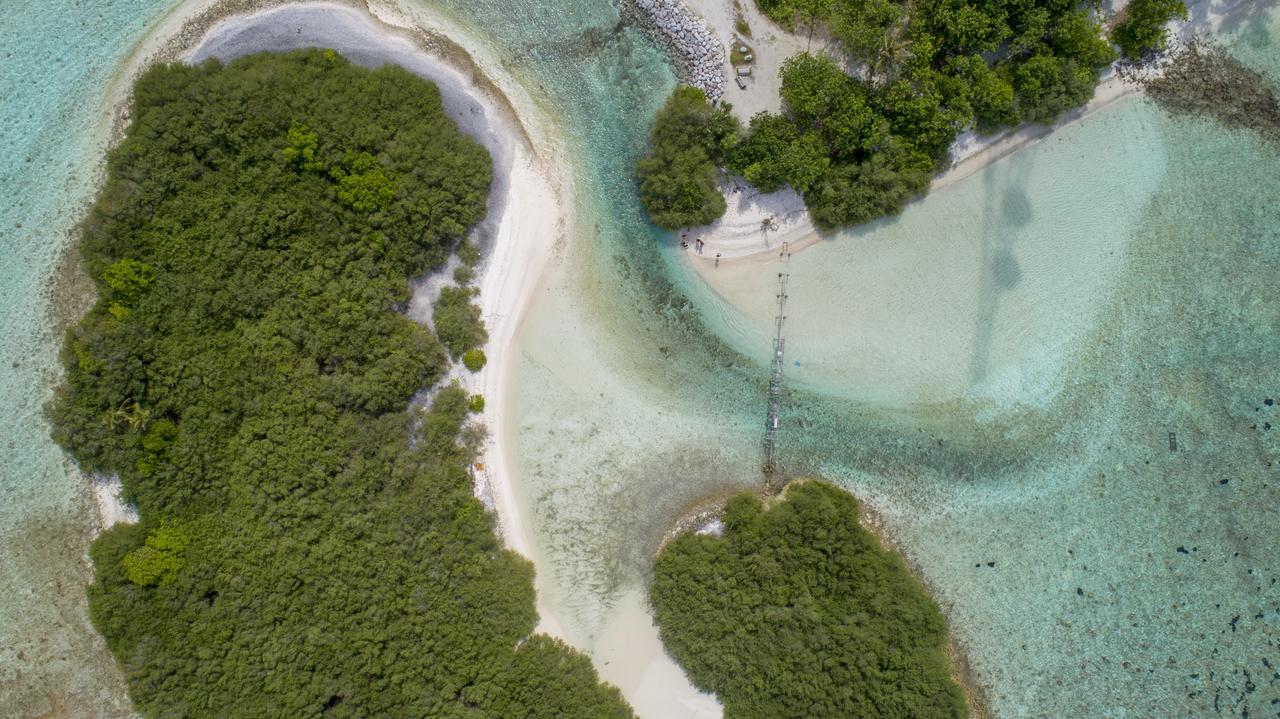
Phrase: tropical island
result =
(382, 394)
(309, 542)
(248, 375)
(798, 611)
(865, 128)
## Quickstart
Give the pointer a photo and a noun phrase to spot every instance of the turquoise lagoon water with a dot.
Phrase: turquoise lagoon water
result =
(1128, 580)
(1084, 306)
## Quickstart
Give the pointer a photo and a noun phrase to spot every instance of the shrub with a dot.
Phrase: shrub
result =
(678, 175)
(129, 280)
(457, 320)
(363, 185)
(1143, 28)
(301, 151)
(474, 360)
(468, 253)
(160, 559)
(477, 403)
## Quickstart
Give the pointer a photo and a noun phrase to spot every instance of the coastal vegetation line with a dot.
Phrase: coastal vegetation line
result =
(865, 127)
(309, 544)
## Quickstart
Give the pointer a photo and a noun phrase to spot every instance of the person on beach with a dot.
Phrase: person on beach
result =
(697, 245)
(717, 259)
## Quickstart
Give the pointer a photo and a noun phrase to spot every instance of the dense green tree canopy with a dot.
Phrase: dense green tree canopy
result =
(798, 613)
(678, 176)
(1143, 28)
(309, 545)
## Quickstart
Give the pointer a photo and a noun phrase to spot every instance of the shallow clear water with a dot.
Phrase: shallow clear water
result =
(1126, 578)
(1123, 274)
(977, 293)
(58, 57)
(1008, 410)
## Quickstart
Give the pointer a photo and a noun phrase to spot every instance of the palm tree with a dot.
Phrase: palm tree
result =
(129, 412)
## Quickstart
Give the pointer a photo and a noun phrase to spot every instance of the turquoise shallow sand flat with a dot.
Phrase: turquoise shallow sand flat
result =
(1090, 568)
(1011, 426)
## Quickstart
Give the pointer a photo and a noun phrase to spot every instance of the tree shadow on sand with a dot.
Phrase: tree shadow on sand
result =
(1000, 271)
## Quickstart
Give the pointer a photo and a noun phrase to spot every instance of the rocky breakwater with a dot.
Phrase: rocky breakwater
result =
(699, 57)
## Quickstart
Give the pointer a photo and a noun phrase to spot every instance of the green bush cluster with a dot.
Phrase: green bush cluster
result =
(474, 360)
(859, 146)
(308, 545)
(161, 557)
(678, 175)
(798, 613)
(457, 320)
(1143, 28)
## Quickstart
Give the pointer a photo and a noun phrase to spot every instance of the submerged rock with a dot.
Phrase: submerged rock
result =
(1201, 78)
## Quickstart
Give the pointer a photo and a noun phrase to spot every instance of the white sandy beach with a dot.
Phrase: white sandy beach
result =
(112, 510)
(745, 231)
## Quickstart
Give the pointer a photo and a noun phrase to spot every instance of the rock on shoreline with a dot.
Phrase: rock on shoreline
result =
(699, 57)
